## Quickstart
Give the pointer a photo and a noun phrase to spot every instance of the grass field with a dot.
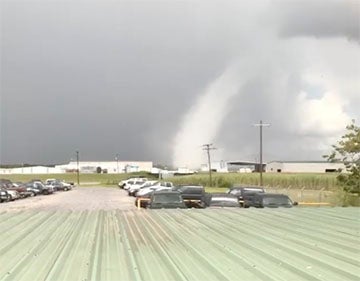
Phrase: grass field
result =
(220, 180)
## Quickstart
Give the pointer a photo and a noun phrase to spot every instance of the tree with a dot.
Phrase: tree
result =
(347, 150)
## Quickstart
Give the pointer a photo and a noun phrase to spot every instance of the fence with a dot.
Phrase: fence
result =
(307, 196)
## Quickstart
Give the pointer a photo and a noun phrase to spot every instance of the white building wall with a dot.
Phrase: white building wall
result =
(31, 170)
(215, 166)
(303, 167)
(112, 167)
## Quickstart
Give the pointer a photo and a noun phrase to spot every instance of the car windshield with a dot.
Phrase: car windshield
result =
(253, 190)
(224, 201)
(276, 201)
(167, 198)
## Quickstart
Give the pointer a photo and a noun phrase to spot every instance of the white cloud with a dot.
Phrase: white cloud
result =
(323, 117)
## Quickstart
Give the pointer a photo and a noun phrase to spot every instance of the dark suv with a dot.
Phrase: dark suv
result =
(166, 200)
(272, 200)
(245, 194)
(193, 195)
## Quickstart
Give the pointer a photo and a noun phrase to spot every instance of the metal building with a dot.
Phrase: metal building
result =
(110, 167)
(303, 167)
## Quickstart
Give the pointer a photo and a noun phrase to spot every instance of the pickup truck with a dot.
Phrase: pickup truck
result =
(194, 195)
(245, 194)
(166, 200)
(272, 200)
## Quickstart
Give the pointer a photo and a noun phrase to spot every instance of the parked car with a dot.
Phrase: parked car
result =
(127, 183)
(33, 190)
(21, 189)
(59, 185)
(194, 195)
(136, 187)
(123, 183)
(245, 194)
(6, 183)
(158, 185)
(43, 189)
(49, 181)
(223, 200)
(4, 195)
(144, 195)
(272, 200)
(167, 200)
(13, 195)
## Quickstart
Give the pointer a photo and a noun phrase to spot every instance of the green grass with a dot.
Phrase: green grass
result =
(295, 181)
(220, 180)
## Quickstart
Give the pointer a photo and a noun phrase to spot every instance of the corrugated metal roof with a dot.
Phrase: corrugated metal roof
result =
(211, 244)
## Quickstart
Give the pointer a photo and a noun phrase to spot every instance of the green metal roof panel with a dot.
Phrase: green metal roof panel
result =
(194, 244)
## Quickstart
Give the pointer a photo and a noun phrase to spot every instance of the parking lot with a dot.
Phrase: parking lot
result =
(78, 199)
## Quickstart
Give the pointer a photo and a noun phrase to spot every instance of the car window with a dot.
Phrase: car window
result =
(276, 200)
(235, 191)
(167, 198)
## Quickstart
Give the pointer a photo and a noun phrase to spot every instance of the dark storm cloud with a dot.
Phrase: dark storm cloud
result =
(319, 18)
(107, 77)
(103, 78)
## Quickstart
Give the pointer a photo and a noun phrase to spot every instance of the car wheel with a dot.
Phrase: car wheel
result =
(65, 189)
(46, 192)
(11, 198)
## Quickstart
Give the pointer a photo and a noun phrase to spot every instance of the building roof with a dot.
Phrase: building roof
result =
(193, 244)
(305, 162)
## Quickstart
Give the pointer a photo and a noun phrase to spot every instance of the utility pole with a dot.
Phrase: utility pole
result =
(261, 125)
(117, 162)
(78, 169)
(208, 147)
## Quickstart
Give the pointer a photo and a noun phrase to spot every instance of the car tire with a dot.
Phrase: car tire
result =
(65, 189)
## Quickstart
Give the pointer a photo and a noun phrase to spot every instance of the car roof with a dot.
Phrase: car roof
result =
(190, 185)
(166, 192)
(223, 195)
(271, 195)
(255, 187)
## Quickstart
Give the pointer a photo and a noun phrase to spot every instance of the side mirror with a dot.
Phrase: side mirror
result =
(295, 203)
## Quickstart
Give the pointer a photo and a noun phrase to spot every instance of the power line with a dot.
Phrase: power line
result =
(207, 147)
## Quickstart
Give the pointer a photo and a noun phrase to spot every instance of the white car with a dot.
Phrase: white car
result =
(133, 181)
(157, 186)
(136, 187)
(125, 184)
(13, 195)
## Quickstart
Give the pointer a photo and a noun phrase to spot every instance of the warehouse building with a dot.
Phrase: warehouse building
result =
(31, 170)
(304, 167)
(110, 167)
(231, 166)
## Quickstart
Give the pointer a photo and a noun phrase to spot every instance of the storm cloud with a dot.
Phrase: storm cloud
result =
(124, 77)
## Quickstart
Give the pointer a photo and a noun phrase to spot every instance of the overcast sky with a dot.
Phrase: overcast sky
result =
(154, 80)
